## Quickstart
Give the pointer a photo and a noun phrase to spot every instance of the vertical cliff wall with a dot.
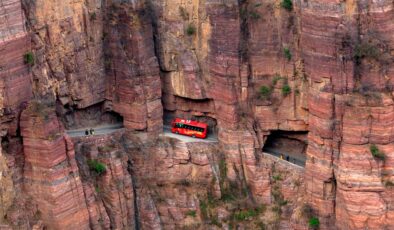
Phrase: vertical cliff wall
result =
(15, 77)
(325, 68)
(68, 49)
(133, 70)
(51, 174)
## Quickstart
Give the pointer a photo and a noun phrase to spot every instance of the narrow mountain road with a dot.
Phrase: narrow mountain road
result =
(108, 129)
(98, 130)
(167, 132)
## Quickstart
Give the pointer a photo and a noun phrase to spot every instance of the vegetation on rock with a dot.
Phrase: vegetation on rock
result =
(97, 166)
(314, 223)
(287, 4)
(286, 90)
(28, 58)
(287, 53)
(190, 30)
(191, 213)
(376, 153)
(265, 92)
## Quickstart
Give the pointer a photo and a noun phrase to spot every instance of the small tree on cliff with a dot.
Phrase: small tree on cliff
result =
(287, 4)
(314, 223)
(190, 30)
(28, 58)
(265, 92)
(97, 166)
(376, 153)
(286, 90)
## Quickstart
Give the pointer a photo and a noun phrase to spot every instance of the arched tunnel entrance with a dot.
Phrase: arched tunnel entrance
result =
(288, 145)
(212, 123)
(95, 115)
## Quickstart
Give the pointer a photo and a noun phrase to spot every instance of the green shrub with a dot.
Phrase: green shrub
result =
(366, 50)
(28, 58)
(265, 92)
(286, 90)
(376, 153)
(287, 4)
(245, 214)
(277, 177)
(97, 166)
(190, 30)
(314, 223)
(93, 16)
(255, 15)
(204, 209)
(287, 53)
(227, 197)
(191, 213)
(276, 79)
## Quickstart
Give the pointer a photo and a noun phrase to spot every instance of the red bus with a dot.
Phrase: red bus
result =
(189, 128)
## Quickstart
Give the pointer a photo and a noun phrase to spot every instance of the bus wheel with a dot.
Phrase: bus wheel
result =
(176, 132)
(194, 136)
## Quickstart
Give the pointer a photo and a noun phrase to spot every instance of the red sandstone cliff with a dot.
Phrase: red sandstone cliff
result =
(207, 60)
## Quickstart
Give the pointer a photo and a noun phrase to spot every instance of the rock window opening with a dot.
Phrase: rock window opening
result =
(288, 145)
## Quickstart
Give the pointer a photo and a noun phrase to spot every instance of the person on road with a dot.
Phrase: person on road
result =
(86, 132)
(91, 131)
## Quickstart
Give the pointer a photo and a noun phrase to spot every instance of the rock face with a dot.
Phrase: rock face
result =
(344, 127)
(14, 73)
(68, 47)
(135, 88)
(109, 196)
(51, 174)
(248, 68)
(7, 188)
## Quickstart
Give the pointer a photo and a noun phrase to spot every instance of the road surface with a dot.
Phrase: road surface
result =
(98, 130)
(167, 132)
(292, 158)
(107, 129)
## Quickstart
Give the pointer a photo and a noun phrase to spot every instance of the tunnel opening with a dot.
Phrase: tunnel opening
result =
(212, 123)
(288, 145)
(95, 115)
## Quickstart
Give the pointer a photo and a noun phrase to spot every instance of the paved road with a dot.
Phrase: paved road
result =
(107, 129)
(98, 130)
(167, 132)
(295, 159)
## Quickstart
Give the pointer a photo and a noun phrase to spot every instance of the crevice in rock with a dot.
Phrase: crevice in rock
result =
(135, 200)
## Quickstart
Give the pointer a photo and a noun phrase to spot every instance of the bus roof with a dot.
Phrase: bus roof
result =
(191, 122)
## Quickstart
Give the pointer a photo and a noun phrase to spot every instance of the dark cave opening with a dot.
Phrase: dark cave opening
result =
(212, 123)
(95, 115)
(288, 145)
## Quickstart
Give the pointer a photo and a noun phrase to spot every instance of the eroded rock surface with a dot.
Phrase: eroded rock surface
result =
(248, 68)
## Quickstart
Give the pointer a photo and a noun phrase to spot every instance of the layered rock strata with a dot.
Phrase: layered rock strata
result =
(135, 88)
(51, 175)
